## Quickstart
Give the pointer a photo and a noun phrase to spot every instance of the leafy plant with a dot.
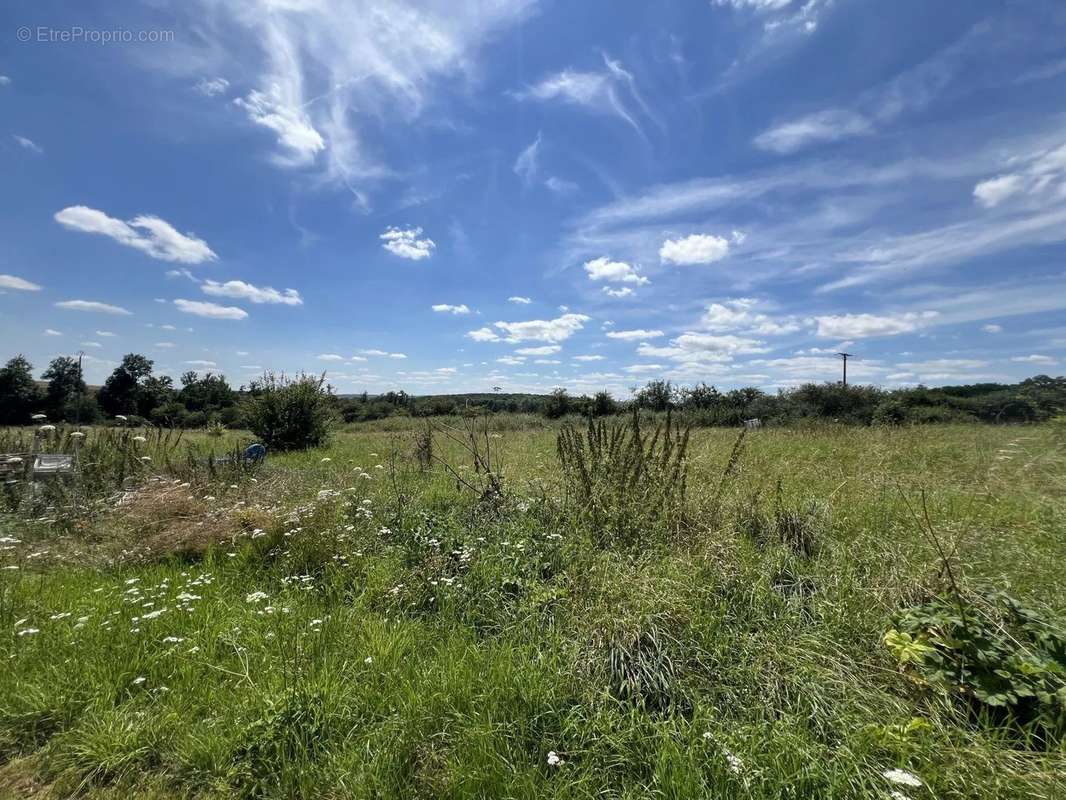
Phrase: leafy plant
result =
(1002, 659)
(290, 413)
(622, 482)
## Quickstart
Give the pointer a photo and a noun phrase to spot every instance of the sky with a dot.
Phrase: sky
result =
(453, 195)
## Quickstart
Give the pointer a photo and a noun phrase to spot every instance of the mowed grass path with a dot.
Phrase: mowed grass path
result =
(364, 629)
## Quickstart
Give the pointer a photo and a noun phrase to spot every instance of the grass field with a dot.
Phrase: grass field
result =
(348, 623)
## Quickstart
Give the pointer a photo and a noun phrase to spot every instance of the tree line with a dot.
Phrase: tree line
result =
(135, 392)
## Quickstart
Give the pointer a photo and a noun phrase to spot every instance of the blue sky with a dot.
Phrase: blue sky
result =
(448, 196)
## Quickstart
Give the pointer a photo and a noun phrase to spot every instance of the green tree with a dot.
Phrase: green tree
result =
(603, 404)
(558, 404)
(211, 393)
(66, 387)
(19, 394)
(656, 395)
(121, 392)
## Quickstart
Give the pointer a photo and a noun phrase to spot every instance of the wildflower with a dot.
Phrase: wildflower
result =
(326, 460)
(368, 660)
(209, 497)
(29, 631)
(902, 777)
(77, 435)
(146, 458)
(255, 597)
(139, 439)
(139, 680)
(121, 417)
(39, 416)
(154, 614)
(736, 766)
(554, 759)
(173, 639)
(47, 428)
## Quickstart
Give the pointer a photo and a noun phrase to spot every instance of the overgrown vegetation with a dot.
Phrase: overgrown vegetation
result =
(394, 614)
(133, 391)
(290, 413)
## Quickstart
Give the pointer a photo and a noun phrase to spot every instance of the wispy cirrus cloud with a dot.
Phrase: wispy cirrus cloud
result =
(612, 91)
(328, 79)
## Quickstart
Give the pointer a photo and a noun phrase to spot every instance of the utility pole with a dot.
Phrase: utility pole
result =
(845, 357)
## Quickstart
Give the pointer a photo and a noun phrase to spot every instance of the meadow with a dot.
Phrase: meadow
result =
(405, 614)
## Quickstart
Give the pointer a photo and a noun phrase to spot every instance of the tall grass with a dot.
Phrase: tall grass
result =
(340, 635)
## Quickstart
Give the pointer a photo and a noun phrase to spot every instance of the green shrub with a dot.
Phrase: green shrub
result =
(290, 413)
(1005, 661)
(622, 482)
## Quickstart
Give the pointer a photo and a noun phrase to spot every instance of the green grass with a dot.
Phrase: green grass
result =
(436, 647)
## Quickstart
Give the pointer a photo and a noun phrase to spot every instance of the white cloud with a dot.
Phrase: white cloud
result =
(146, 233)
(483, 335)
(829, 125)
(641, 369)
(406, 244)
(692, 347)
(91, 344)
(52, 332)
(322, 70)
(858, 326)
(255, 294)
(511, 360)
(4, 80)
(994, 191)
(199, 362)
(603, 269)
(210, 87)
(383, 353)
(105, 334)
(1035, 359)
(552, 331)
(445, 308)
(625, 291)
(28, 144)
(634, 334)
(695, 249)
(538, 330)
(210, 310)
(588, 358)
(525, 166)
(299, 138)
(329, 357)
(1040, 172)
(18, 284)
(740, 314)
(545, 350)
(546, 361)
(611, 91)
(92, 305)
(164, 345)
(522, 301)
(992, 328)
